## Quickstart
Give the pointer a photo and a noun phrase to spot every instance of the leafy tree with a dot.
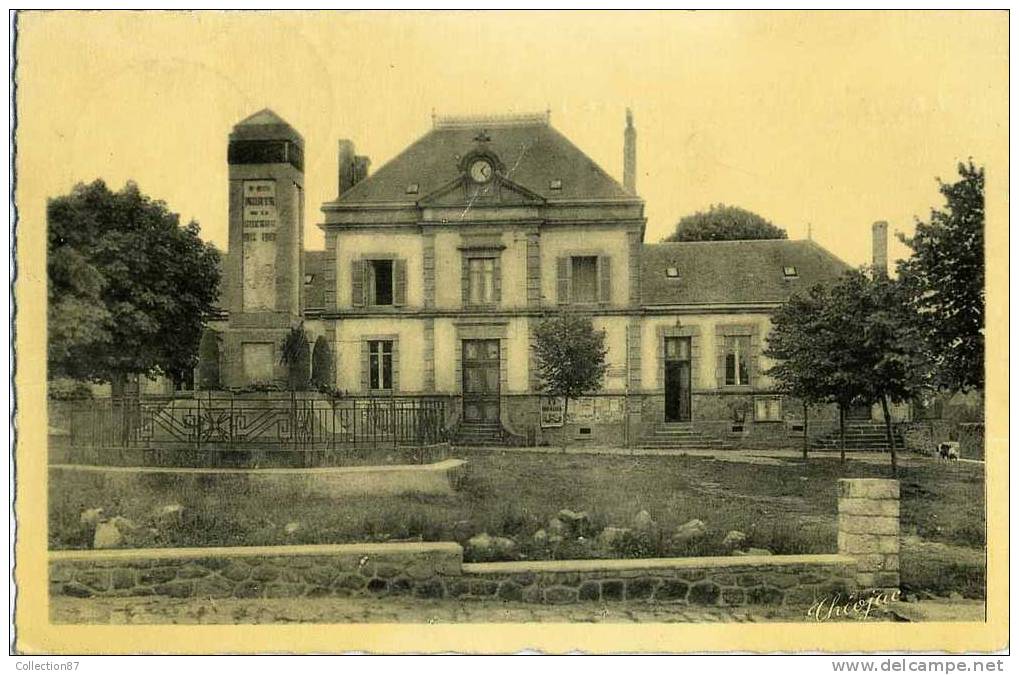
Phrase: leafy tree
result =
(296, 356)
(322, 373)
(944, 282)
(130, 290)
(570, 356)
(849, 343)
(725, 223)
(810, 339)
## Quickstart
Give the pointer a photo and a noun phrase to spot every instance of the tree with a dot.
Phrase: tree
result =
(296, 356)
(810, 341)
(849, 343)
(130, 290)
(570, 356)
(322, 373)
(944, 282)
(725, 223)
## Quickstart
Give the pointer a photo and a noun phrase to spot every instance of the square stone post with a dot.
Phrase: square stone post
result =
(869, 530)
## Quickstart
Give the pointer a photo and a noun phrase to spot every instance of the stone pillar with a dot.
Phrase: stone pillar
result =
(869, 530)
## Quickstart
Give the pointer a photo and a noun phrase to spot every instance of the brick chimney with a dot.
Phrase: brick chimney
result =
(351, 168)
(879, 254)
(630, 155)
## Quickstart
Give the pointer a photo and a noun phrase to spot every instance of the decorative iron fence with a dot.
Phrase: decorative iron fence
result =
(212, 428)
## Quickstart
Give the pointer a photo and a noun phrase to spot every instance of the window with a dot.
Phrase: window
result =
(380, 364)
(412, 189)
(790, 272)
(584, 278)
(737, 356)
(481, 281)
(677, 349)
(380, 282)
(555, 184)
(672, 272)
(768, 409)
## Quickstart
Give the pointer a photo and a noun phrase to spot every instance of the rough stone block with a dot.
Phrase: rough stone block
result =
(156, 575)
(560, 595)
(96, 579)
(704, 593)
(639, 589)
(192, 571)
(868, 525)
(124, 578)
(176, 589)
(869, 488)
(378, 585)
(509, 590)
(612, 589)
(76, 590)
(589, 590)
(401, 585)
(282, 589)
(764, 595)
(779, 579)
(672, 591)
(214, 586)
(354, 582)
(432, 588)
(320, 575)
(249, 589)
(733, 597)
(888, 508)
(265, 573)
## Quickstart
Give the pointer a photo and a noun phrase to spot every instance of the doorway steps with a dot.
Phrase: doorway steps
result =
(478, 433)
(681, 436)
(859, 436)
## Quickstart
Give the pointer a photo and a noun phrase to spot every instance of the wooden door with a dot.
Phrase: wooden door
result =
(677, 380)
(481, 381)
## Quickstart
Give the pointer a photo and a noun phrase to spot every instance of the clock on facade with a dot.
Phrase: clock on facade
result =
(481, 171)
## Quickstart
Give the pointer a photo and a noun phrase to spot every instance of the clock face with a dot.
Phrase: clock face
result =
(481, 171)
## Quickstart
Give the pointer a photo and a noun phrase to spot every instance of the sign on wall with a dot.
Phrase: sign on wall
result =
(584, 410)
(551, 411)
(258, 235)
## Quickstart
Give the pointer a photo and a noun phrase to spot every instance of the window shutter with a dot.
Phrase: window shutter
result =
(465, 281)
(719, 360)
(357, 268)
(396, 366)
(497, 280)
(364, 365)
(563, 280)
(605, 271)
(399, 282)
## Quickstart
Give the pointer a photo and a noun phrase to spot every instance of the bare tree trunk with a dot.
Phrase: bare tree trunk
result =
(842, 433)
(566, 408)
(889, 434)
(806, 436)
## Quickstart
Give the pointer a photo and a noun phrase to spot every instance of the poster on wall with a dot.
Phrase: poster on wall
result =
(551, 410)
(596, 410)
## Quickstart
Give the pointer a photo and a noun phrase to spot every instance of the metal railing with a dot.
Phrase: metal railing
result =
(210, 428)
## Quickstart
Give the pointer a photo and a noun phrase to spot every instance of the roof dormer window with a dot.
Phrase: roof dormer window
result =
(412, 189)
(672, 272)
(555, 184)
(790, 272)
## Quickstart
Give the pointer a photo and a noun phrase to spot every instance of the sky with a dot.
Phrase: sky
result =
(826, 120)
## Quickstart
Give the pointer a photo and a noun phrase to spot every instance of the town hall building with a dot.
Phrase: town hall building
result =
(438, 266)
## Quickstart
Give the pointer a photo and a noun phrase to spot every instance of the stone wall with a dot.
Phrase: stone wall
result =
(419, 569)
(733, 581)
(869, 529)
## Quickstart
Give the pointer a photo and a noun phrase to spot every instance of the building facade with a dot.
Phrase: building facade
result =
(438, 266)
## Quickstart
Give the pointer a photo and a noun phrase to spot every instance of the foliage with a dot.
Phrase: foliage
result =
(64, 389)
(848, 343)
(129, 288)
(570, 355)
(725, 223)
(208, 361)
(296, 356)
(322, 374)
(944, 282)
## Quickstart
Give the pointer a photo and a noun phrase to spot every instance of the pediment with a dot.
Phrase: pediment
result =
(500, 191)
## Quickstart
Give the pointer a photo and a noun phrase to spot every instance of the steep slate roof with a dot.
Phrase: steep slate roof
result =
(533, 153)
(733, 272)
(265, 124)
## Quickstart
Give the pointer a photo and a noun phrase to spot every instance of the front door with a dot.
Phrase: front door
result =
(677, 379)
(481, 380)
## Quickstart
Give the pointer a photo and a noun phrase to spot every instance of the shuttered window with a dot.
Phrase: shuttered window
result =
(378, 283)
(583, 279)
(380, 364)
(481, 281)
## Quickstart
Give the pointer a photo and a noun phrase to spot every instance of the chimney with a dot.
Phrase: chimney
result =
(346, 165)
(879, 255)
(630, 155)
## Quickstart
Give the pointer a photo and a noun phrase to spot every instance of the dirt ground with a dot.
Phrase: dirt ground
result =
(161, 610)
